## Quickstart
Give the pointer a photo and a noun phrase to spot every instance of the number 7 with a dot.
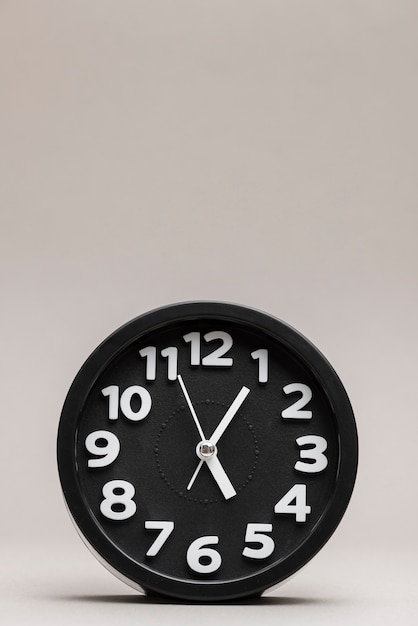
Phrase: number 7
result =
(166, 529)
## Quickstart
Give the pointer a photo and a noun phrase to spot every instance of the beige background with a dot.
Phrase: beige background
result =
(261, 152)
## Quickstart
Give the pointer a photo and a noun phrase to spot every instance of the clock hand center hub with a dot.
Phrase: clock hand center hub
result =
(206, 449)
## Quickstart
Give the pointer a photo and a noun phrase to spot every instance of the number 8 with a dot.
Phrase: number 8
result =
(124, 498)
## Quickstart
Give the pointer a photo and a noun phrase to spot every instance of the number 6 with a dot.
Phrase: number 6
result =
(198, 550)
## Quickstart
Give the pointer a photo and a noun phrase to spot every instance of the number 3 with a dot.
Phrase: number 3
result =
(316, 454)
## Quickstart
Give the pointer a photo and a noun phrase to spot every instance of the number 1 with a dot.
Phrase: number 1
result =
(262, 356)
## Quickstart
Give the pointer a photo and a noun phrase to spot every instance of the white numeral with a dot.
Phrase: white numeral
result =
(198, 550)
(316, 454)
(166, 529)
(217, 357)
(150, 355)
(262, 356)
(255, 534)
(194, 340)
(171, 355)
(118, 492)
(112, 393)
(295, 410)
(300, 508)
(108, 452)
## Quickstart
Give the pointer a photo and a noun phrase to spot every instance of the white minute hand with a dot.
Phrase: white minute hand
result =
(229, 415)
(222, 426)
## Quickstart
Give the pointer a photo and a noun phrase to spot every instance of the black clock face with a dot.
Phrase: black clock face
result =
(206, 451)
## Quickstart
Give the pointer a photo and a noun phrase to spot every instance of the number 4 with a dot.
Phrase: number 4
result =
(300, 509)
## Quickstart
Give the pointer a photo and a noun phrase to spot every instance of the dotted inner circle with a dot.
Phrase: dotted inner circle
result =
(163, 475)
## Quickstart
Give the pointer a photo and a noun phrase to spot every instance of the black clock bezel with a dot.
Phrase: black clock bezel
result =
(121, 564)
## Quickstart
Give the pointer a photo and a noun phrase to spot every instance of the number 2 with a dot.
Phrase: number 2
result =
(295, 411)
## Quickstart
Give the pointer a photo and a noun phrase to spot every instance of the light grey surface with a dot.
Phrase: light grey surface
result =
(263, 153)
(67, 585)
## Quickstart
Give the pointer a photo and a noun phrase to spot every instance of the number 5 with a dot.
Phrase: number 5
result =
(255, 534)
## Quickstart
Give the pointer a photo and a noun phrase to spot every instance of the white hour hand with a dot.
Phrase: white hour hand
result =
(221, 478)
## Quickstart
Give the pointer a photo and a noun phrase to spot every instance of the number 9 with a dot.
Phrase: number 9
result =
(108, 452)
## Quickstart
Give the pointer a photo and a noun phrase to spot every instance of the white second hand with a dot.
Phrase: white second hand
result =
(193, 478)
(191, 407)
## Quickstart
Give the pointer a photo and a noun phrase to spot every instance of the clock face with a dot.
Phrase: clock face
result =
(206, 451)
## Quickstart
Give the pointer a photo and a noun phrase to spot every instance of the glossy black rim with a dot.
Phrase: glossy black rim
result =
(305, 352)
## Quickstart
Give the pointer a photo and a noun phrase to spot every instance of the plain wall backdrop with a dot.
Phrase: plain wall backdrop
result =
(263, 153)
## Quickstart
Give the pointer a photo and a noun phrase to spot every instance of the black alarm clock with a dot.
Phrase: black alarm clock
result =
(206, 451)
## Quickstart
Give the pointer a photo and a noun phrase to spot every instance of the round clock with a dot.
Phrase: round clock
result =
(206, 451)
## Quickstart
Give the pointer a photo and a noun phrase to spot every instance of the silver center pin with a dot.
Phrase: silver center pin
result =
(205, 449)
